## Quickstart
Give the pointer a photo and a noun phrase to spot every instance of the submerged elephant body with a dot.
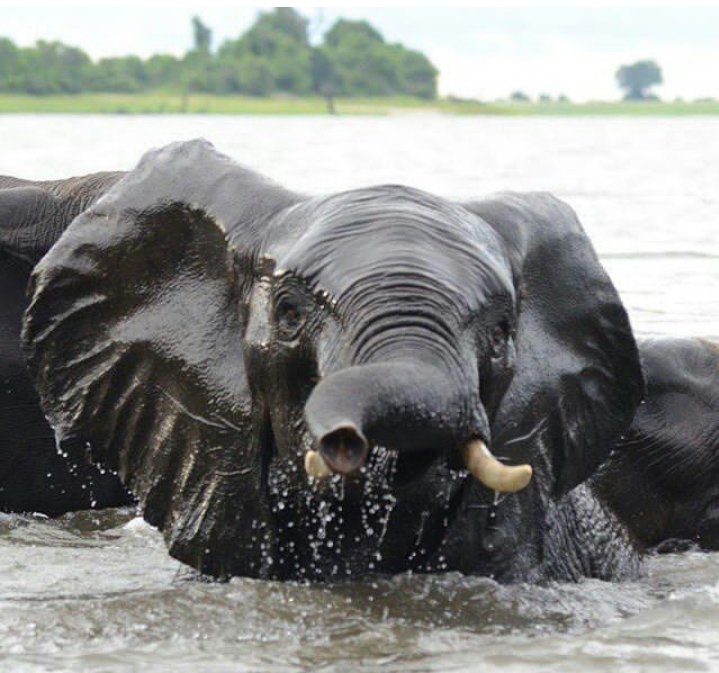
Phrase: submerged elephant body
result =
(662, 479)
(293, 386)
(34, 475)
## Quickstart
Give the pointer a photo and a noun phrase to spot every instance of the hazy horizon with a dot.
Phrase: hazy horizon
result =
(483, 53)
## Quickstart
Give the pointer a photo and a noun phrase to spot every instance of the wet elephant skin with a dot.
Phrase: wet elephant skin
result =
(34, 475)
(662, 479)
(200, 328)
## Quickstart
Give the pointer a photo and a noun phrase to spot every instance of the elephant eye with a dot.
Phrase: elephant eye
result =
(499, 339)
(290, 315)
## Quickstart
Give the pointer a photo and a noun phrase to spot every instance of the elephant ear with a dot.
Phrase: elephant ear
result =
(134, 337)
(578, 378)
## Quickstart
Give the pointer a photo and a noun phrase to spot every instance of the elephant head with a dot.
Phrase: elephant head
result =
(293, 386)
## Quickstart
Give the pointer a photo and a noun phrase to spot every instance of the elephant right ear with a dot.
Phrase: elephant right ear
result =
(578, 379)
(134, 337)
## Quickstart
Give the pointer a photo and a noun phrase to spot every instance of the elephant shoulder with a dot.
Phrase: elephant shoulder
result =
(681, 409)
(23, 203)
(676, 364)
(33, 215)
(661, 476)
(24, 215)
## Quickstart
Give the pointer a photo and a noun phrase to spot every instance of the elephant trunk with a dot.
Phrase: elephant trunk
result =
(405, 405)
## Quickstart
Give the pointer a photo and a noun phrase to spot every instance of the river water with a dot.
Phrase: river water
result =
(96, 591)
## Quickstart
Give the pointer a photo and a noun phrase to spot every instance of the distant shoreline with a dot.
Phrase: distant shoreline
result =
(175, 103)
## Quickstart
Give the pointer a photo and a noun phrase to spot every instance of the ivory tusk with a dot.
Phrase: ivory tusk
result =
(493, 474)
(315, 466)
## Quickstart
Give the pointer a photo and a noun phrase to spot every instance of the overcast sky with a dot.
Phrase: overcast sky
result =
(480, 52)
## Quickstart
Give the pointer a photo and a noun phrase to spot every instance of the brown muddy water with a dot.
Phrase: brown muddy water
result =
(96, 591)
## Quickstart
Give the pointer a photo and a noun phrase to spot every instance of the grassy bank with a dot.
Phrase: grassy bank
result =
(172, 103)
(162, 103)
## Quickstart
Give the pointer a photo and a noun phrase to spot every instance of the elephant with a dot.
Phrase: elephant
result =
(662, 478)
(34, 475)
(312, 388)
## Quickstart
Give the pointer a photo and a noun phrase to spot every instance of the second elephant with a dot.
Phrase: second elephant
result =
(662, 479)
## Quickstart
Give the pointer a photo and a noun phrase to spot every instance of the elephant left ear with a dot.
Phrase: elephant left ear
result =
(134, 337)
(578, 378)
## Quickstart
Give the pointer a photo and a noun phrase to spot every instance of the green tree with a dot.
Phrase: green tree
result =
(197, 64)
(54, 67)
(162, 70)
(202, 36)
(345, 29)
(365, 65)
(195, 71)
(255, 77)
(125, 74)
(637, 78)
(325, 80)
(276, 45)
(519, 97)
(285, 21)
(10, 66)
(273, 56)
(418, 76)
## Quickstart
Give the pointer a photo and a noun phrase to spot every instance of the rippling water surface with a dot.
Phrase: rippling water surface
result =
(96, 591)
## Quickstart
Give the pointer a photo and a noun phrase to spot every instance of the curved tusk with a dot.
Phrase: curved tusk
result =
(315, 466)
(493, 474)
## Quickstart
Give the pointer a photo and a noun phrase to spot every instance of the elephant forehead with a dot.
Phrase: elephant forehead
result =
(395, 235)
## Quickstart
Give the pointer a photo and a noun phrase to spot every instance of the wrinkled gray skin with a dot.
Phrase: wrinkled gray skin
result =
(662, 479)
(199, 328)
(34, 214)
(33, 475)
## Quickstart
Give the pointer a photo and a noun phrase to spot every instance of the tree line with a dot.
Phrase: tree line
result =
(273, 56)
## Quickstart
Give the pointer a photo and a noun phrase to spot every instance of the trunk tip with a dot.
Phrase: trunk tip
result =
(344, 448)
